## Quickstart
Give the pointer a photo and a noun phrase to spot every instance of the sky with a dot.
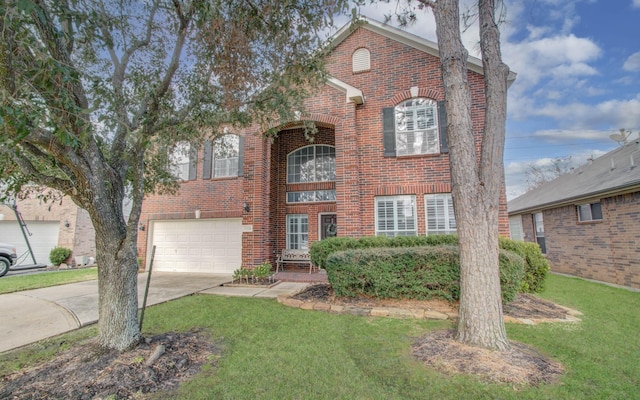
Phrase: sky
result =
(578, 82)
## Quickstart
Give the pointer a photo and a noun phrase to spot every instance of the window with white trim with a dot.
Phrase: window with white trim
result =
(396, 216)
(311, 196)
(315, 163)
(179, 160)
(589, 212)
(416, 125)
(440, 216)
(225, 156)
(298, 231)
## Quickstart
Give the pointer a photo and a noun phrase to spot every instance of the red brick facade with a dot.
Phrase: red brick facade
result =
(362, 171)
(606, 250)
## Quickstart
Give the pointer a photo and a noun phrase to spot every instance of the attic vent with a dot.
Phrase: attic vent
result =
(361, 60)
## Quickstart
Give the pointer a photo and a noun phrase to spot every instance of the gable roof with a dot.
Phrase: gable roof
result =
(616, 172)
(404, 37)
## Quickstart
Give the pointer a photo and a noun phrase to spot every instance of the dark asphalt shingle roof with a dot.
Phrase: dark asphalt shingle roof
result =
(616, 170)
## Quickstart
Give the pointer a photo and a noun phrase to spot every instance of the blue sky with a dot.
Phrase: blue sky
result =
(578, 66)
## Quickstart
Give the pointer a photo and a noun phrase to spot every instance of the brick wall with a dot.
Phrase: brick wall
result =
(606, 250)
(395, 68)
(362, 172)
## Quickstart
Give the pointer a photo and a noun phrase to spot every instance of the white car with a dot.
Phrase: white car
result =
(8, 257)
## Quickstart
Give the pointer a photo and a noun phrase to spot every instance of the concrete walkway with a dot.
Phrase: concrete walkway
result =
(33, 315)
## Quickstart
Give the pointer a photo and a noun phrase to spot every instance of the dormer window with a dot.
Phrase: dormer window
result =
(361, 60)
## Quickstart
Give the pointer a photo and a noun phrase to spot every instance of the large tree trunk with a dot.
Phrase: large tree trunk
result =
(116, 256)
(118, 292)
(475, 201)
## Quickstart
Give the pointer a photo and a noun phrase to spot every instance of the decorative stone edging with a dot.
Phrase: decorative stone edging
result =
(418, 313)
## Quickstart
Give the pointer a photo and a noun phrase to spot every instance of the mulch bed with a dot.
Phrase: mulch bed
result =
(86, 371)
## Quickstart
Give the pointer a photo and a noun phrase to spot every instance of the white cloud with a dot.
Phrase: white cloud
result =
(611, 114)
(633, 62)
(636, 3)
(515, 172)
(571, 135)
(557, 56)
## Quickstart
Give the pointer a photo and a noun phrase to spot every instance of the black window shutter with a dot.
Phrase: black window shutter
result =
(206, 164)
(241, 156)
(389, 131)
(442, 128)
(193, 161)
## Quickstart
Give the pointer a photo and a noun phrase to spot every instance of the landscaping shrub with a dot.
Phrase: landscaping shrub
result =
(536, 265)
(321, 249)
(429, 240)
(58, 255)
(420, 272)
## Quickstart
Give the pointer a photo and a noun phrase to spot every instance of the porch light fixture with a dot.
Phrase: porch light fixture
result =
(141, 227)
(197, 214)
(66, 223)
(245, 206)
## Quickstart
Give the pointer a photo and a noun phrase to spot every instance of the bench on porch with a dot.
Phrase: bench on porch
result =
(293, 256)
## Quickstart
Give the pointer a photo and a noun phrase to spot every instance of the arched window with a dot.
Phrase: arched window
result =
(225, 156)
(416, 126)
(316, 163)
(361, 60)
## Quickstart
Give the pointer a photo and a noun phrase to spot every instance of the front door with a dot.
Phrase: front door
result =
(328, 226)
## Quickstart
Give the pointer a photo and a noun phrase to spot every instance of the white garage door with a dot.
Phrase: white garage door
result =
(207, 245)
(44, 238)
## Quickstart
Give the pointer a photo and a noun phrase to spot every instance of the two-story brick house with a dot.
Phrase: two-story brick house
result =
(378, 165)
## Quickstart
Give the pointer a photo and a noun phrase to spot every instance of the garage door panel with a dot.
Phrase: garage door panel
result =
(213, 246)
(44, 237)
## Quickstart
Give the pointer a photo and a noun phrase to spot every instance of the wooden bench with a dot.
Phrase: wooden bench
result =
(290, 256)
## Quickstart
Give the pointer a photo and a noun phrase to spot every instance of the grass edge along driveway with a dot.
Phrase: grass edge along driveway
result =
(17, 283)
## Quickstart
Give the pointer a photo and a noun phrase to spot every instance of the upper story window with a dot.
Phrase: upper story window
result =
(361, 60)
(417, 127)
(226, 150)
(179, 160)
(223, 157)
(414, 127)
(316, 163)
(589, 212)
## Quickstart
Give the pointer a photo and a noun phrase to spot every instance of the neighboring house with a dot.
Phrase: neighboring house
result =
(378, 165)
(588, 221)
(54, 223)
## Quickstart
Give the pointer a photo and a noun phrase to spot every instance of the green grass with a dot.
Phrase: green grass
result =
(9, 284)
(271, 351)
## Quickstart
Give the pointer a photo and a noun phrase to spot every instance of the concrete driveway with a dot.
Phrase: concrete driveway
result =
(33, 315)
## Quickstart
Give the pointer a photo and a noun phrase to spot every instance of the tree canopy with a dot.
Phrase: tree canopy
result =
(95, 95)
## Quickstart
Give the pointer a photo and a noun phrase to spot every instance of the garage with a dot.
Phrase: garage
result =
(44, 237)
(207, 245)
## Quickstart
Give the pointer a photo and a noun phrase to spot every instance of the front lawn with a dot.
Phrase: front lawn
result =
(271, 351)
(10, 284)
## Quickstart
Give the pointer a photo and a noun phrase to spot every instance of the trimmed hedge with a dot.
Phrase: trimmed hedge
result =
(320, 250)
(536, 265)
(417, 272)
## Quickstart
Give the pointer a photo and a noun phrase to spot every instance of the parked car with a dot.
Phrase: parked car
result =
(8, 257)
